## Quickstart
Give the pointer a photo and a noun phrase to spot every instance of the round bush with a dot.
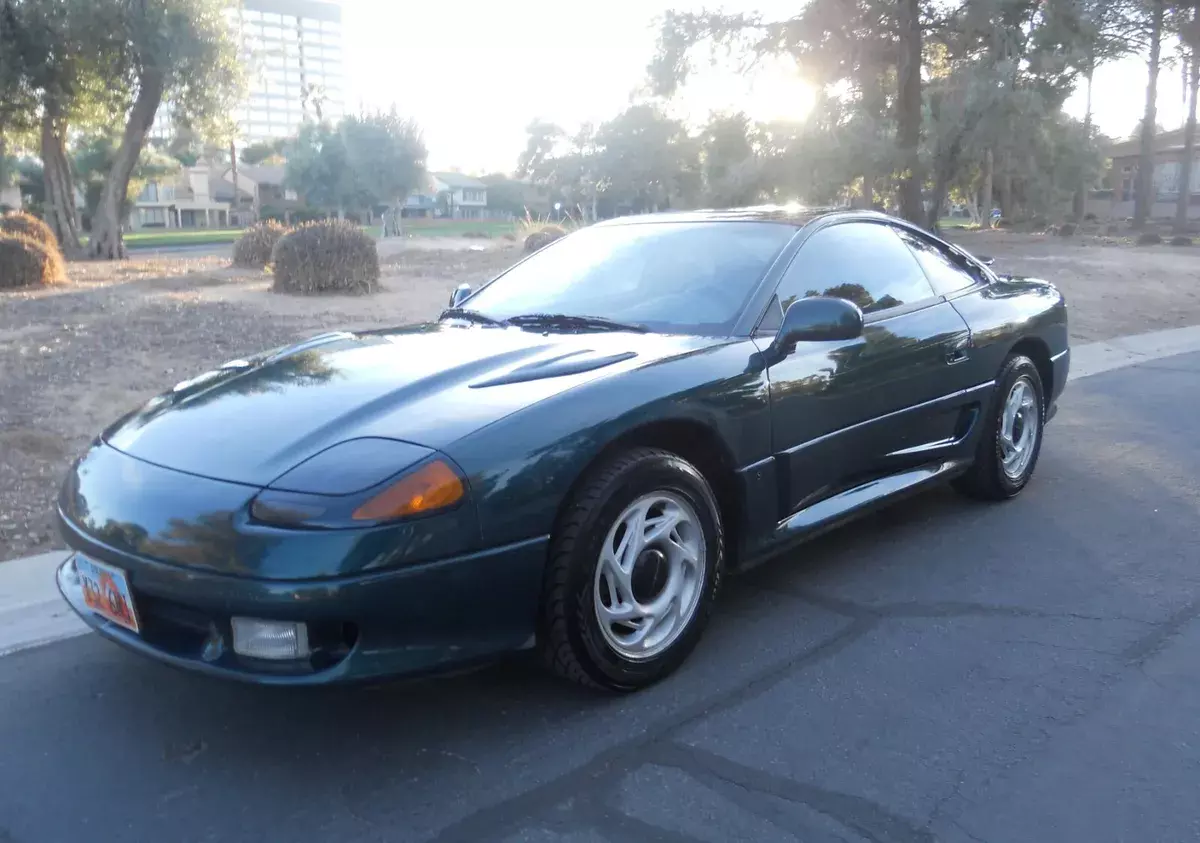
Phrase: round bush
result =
(253, 249)
(21, 223)
(25, 262)
(543, 237)
(329, 256)
(1150, 238)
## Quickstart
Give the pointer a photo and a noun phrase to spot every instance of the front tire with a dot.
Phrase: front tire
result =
(634, 568)
(1012, 436)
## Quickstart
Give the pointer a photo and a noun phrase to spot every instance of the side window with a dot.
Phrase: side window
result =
(945, 272)
(864, 262)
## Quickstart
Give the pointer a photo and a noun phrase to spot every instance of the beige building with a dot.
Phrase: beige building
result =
(184, 201)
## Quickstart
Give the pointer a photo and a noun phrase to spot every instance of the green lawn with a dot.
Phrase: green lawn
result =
(956, 222)
(167, 238)
(157, 239)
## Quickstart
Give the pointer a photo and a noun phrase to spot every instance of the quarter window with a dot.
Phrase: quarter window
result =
(945, 273)
(866, 263)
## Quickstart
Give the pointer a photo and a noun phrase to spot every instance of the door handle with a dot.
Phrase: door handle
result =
(957, 354)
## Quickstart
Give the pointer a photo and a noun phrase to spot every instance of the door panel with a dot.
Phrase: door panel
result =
(846, 410)
(843, 412)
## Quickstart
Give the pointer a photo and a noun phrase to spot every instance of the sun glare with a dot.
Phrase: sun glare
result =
(767, 93)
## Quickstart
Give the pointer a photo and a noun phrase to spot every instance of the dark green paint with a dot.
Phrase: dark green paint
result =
(806, 436)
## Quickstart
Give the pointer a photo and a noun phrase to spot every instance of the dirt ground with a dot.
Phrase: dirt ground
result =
(75, 358)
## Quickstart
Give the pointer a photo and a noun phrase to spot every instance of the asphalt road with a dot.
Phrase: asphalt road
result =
(944, 671)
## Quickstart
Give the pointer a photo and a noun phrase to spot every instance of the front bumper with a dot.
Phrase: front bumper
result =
(418, 619)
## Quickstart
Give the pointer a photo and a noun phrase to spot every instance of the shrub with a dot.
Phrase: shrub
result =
(1181, 240)
(25, 262)
(543, 237)
(1150, 238)
(1066, 229)
(1090, 217)
(18, 222)
(253, 249)
(326, 256)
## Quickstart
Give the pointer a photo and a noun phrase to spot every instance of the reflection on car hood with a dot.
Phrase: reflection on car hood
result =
(252, 420)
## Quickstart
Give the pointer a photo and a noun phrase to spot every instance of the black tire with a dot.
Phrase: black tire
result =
(571, 641)
(987, 479)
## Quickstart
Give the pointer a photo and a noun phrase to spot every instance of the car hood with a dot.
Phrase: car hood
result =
(251, 420)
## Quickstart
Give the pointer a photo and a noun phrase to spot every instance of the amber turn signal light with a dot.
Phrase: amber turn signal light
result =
(432, 487)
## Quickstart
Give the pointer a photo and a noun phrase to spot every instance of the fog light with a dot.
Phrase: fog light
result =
(261, 639)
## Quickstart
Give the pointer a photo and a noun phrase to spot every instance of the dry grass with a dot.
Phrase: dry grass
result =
(328, 256)
(21, 223)
(253, 249)
(26, 262)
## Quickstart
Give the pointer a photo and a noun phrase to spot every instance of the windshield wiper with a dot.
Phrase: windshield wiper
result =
(469, 316)
(564, 320)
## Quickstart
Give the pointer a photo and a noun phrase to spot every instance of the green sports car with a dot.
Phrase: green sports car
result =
(569, 460)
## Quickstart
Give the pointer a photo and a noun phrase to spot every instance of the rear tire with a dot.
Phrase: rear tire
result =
(1012, 435)
(634, 568)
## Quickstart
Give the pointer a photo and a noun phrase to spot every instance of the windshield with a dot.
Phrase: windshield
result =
(669, 277)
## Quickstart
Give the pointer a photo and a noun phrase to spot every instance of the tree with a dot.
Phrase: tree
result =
(318, 168)
(1109, 30)
(264, 152)
(640, 156)
(908, 109)
(92, 159)
(1144, 179)
(183, 50)
(868, 50)
(189, 144)
(387, 155)
(544, 139)
(1188, 28)
(731, 163)
(61, 58)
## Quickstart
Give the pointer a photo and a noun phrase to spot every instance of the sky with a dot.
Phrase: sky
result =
(474, 73)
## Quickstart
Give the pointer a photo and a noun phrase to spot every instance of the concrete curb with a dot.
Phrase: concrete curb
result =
(33, 613)
(31, 610)
(1096, 357)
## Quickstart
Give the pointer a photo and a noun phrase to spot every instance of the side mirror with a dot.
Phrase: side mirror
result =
(817, 319)
(459, 294)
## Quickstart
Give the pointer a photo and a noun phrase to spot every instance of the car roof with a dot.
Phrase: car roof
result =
(794, 215)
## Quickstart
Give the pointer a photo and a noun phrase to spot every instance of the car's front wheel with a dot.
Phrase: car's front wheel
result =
(1012, 435)
(633, 572)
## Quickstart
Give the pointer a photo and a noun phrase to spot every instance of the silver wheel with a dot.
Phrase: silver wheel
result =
(650, 576)
(1020, 426)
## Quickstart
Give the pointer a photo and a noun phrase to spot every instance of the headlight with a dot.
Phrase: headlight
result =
(430, 487)
(433, 486)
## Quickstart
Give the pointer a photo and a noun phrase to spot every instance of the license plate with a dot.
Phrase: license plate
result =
(106, 592)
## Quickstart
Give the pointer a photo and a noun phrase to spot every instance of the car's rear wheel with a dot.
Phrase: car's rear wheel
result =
(633, 571)
(1012, 436)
